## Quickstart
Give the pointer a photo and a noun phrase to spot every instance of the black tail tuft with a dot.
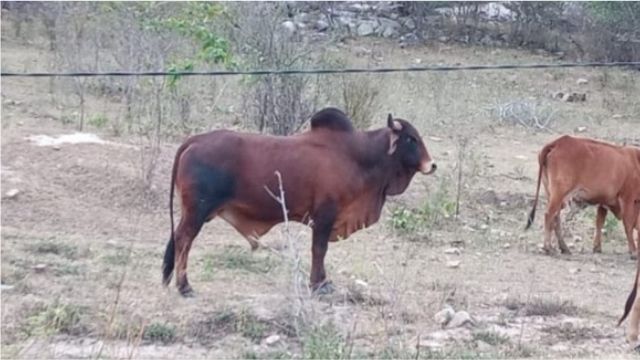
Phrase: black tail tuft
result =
(169, 258)
(532, 216)
(628, 305)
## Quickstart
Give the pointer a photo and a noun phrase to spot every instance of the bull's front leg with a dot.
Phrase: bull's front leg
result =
(323, 221)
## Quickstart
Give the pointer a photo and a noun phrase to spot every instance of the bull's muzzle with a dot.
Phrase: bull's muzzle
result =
(428, 167)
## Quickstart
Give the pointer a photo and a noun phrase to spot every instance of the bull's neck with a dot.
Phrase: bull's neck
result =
(382, 168)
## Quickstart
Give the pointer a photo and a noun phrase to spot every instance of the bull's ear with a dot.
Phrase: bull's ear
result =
(393, 124)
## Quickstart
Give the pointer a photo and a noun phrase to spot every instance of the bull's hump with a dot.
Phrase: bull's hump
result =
(331, 119)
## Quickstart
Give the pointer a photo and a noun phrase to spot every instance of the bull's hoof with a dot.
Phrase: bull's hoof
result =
(636, 349)
(548, 251)
(187, 291)
(633, 256)
(565, 251)
(597, 250)
(324, 288)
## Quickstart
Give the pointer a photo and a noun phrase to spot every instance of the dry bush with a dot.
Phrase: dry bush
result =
(525, 113)
(360, 98)
(278, 104)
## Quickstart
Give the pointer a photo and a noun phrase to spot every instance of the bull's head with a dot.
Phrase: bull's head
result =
(408, 150)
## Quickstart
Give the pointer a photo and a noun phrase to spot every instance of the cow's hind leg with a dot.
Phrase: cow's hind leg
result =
(551, 222)
(558, 231)
(600, 218)
(323, 220)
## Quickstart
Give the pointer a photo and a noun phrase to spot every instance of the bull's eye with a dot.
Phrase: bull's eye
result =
(410, 140)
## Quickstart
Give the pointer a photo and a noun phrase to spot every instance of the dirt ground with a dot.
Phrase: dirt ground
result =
(82, 241)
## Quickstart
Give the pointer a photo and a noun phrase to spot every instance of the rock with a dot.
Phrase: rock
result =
(40, 268)
(577, 239)
(289, 26)
(271, 340)
(453, 250)
(366, 28)
(388, 28)
(408, 23)
(444, 316)
(12, 193)
(431, 344)
(361, 283)
(506, 246)
(483, 346)
(581, 129)
(321, 25)
(559, 348)
(4, 287)
(557, 95)
(574, 271)
(617, 116)
(454, 264)
(574, 97)
(56, 147)
(443, 39)
(582, 81)
(461, 318)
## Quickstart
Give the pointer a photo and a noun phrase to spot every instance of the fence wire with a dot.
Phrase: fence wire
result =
(435, 68)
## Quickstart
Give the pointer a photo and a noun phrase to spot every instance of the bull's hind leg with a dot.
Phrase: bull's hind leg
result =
(208, 190)
(186, 232)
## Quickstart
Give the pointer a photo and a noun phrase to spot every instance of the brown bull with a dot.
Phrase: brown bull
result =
(336, 179)
(588, 172)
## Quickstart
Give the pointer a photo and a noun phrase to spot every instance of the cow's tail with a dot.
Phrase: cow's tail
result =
(632, 296)
(169, 253)
(542, 163)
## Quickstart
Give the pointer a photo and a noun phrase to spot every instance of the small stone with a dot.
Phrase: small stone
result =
(4, 287)
(483, 346)
(435, 138)
(452, 251)
(454, 264)
(56, 147)
(321, 25)
(431, 344)
(582, 81)
(40, 268)
(461, 318)
(361, 283)
(12, 193)
(577, 239)
(443, 39)
(574, 271)
(557, 95)
(271, 340)
(617, 116)
(581, 129)
(506, 246)
(290, 26)
(593, 270)
(444, 316)
(559, 348)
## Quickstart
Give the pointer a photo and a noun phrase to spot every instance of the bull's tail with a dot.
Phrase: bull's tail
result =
(542, 163)
(632, 297)
(169, 253)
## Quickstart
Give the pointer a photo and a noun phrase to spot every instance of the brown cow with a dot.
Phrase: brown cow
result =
(335, 179)
(588, 172)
